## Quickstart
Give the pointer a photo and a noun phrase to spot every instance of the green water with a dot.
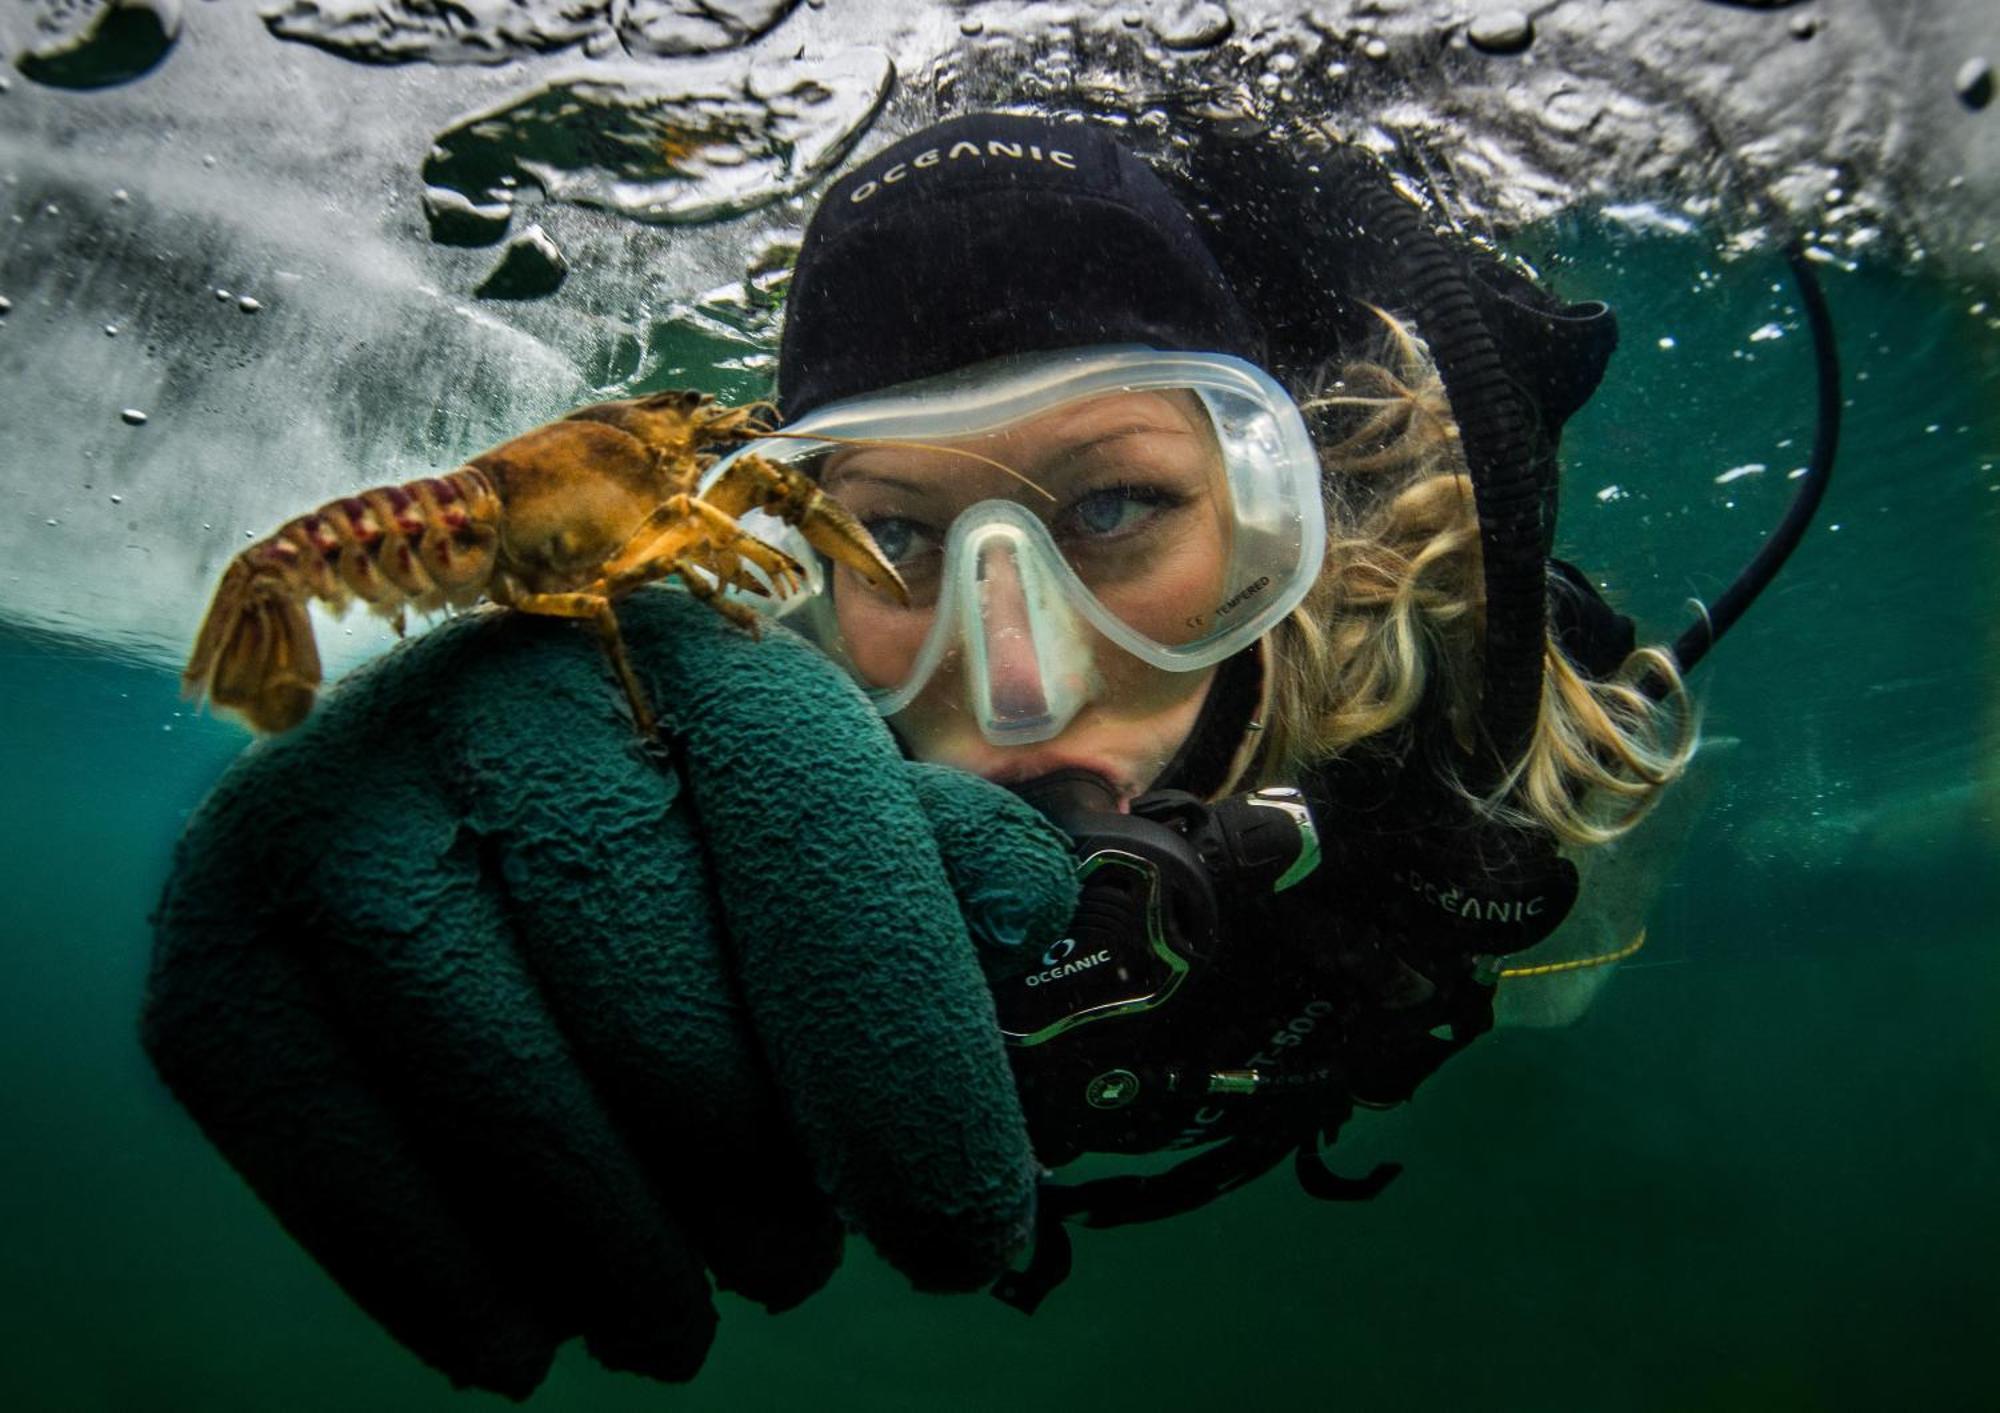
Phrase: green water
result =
(1758, 1174)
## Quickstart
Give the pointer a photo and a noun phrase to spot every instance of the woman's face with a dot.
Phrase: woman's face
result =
(1134, 502)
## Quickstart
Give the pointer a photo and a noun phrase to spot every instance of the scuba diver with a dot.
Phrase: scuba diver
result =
(1239, 725)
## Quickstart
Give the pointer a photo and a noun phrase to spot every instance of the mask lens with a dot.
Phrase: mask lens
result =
(1164, 505)
(1130, 489)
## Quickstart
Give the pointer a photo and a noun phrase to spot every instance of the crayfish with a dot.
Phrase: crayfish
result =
(563, 521)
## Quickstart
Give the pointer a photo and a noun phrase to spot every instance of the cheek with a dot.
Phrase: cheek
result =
(1175, 597)
(1140, 694)
(880, 639)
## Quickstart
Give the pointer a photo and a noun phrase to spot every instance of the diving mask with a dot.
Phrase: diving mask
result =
(1047, 509)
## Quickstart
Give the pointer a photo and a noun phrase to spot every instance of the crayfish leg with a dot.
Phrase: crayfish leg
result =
(684, 530)
(745, 618)
(598, 609)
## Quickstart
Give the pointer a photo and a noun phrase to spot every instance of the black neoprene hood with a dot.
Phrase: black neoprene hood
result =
(993, 234)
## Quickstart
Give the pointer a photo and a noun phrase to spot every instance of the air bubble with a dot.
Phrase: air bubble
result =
(1973, 83)
(1502, 32)
(1189, 24)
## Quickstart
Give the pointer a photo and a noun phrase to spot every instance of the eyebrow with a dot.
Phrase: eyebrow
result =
(843, 471)
(1072, 454)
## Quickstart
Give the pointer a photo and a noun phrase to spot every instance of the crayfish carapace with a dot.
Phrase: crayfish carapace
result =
(563, 521)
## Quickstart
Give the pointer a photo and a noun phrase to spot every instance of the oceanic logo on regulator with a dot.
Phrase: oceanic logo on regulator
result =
(1057, 964)
(958, 152)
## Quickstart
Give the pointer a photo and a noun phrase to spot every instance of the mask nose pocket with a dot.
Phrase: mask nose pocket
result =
(1026, 652)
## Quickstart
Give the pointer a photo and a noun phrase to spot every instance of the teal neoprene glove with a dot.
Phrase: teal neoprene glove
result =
(521, 1027)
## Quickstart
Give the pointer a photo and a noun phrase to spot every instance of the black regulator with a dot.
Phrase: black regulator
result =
(1101, 1023)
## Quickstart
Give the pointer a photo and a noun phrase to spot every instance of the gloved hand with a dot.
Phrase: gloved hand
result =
(518, 1025)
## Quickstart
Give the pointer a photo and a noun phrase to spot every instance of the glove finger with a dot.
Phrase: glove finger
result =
(233, 1025)
(436, 986)
(859, 976)
(610, 896)
(424, 978)
(1010, 867)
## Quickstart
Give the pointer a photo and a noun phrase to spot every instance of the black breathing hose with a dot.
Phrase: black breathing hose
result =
(1721, 616)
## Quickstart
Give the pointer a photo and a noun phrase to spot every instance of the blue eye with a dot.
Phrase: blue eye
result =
(1119, 508)
(896, 537)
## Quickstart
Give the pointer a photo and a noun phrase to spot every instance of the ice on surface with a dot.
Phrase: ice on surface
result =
(248, 173)
(98, 43)
(664, 143)
(213, 425)
(498, 31)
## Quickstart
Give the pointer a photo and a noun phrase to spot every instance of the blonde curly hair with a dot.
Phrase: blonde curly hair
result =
(1398, 610)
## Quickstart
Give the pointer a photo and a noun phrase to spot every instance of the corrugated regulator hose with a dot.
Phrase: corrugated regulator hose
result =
(1498, 434)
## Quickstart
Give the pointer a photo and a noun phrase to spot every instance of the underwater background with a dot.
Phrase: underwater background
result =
(1754, 1167)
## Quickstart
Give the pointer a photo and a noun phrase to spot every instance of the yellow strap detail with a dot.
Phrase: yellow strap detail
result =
(1581, 963)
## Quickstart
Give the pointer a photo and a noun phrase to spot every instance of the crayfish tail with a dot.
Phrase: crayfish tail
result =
(255, 656)
(217, 625)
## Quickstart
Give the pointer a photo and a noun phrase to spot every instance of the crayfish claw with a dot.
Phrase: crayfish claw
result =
(831, 528)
